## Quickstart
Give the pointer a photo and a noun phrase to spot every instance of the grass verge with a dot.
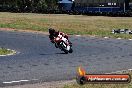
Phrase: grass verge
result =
(4, 51)
(72, 24)
(75, 85)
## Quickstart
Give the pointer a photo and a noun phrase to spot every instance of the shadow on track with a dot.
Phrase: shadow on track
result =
(53, 54)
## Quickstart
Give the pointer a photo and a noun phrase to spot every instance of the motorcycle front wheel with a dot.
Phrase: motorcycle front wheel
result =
(71, 50)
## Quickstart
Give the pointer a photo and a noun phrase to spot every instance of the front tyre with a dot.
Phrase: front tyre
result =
(63, 47)
(71, 50)
(66, 52)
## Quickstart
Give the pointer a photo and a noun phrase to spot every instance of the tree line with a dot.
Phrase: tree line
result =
(41, 6)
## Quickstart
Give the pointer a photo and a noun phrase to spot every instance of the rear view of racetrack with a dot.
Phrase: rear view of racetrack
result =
(38, 59)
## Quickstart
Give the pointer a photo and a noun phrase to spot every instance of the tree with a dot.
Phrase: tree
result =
(29, 5)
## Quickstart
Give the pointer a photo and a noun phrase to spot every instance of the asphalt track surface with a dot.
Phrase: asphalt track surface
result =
(39, 60)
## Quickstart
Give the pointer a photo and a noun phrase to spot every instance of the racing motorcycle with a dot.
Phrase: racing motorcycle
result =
(63, 44)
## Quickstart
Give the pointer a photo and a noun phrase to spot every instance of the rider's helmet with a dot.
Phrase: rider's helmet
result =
(51, 31)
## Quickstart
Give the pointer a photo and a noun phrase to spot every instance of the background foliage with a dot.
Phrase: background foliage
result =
(28, 5)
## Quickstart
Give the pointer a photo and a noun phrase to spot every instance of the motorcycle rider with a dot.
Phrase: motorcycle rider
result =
(54, 34)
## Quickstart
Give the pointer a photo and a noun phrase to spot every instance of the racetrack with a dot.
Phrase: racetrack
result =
(38, 59)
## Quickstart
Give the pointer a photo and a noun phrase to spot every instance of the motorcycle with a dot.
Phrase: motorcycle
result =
(63, 44)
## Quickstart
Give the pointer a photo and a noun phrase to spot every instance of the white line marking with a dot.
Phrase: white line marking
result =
(19, 81)
(24, 80)
(103, 37)
(7, 82)
(122, 71)
(119, 38)
(15, 81)
(35, 79)
(129, 39)
(106, 37)
(130, 69)
(78, 35)
(11, 82)
(2, 55)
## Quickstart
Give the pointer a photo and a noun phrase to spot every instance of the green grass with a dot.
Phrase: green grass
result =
(75, 85)
(72, 24)
(4, 51)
